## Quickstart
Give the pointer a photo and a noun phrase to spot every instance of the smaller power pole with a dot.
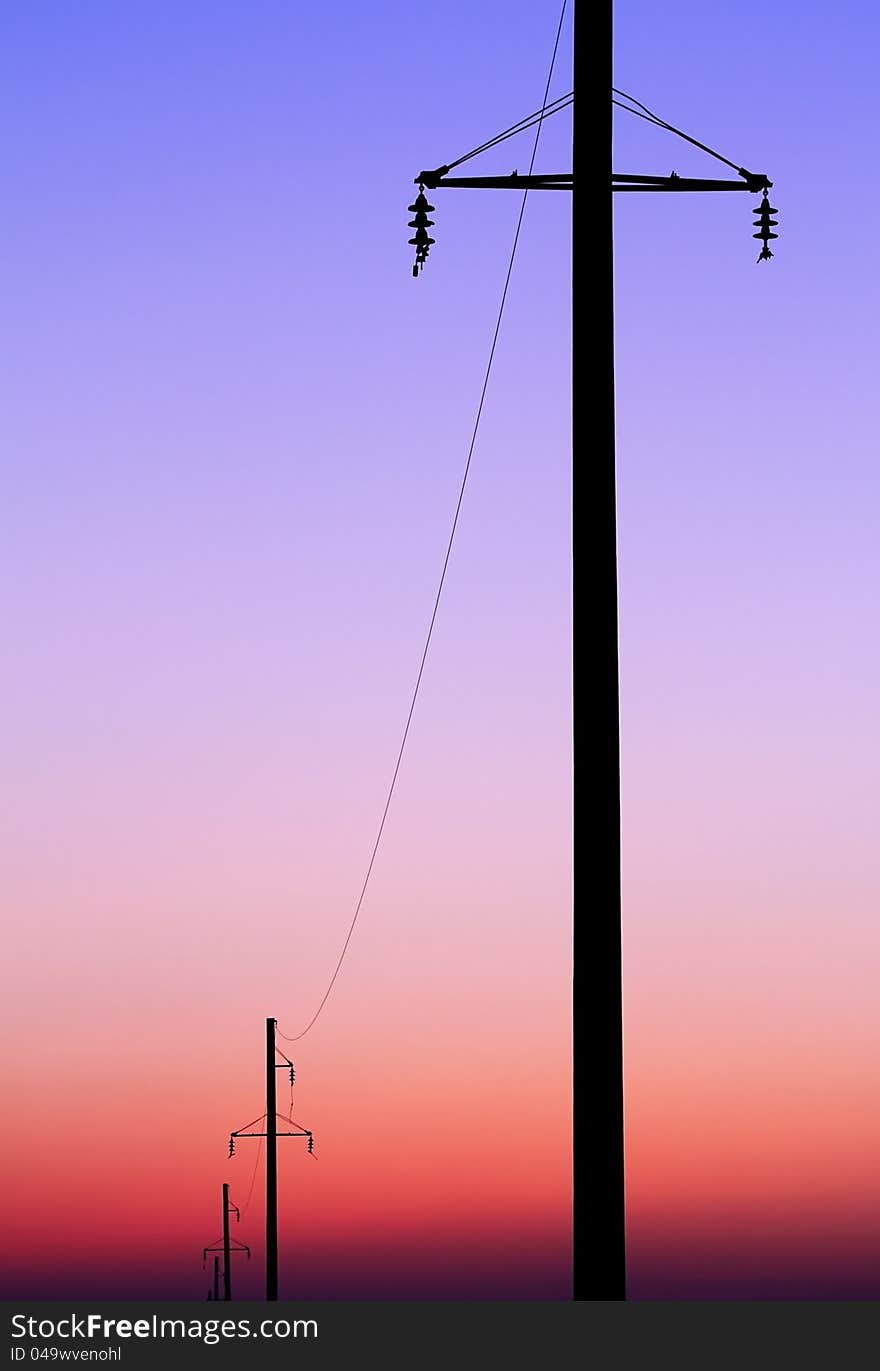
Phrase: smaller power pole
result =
(271, 1168)
(214, 1292)
(228, 1249)
(272, 1135)
(227, 1265)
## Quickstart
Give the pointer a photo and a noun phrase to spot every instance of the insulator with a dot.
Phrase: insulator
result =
(311, 1142)
(231, 1147)
(421, 223)
(765, 224)
(763, 213)
(292, 1076)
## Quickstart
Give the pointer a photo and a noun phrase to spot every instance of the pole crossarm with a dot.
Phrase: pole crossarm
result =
(436, 180)
(235, 1246)
(751, 182)
(303, 1133)
(755, 182)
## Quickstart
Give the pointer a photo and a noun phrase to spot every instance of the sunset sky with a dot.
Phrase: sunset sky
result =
(234, 430)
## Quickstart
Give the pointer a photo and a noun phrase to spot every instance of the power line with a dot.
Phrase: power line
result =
(295, 1037)
(244, 1207)
(560, 103)
(650, 117)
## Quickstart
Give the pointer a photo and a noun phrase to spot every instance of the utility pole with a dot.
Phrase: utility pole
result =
(227, 1263)
(271, 1168)
(599, 1267)
(599, 1264)
(272, 1135)
(214, 1292)
(228, 1249)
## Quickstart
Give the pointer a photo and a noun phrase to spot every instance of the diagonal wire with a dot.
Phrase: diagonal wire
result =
(650, 117)
(560, 103)
(295, 1037)
(244, 1207)
(258, 1119)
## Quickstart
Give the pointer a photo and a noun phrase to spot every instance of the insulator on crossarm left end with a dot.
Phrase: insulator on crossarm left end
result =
(421, 223)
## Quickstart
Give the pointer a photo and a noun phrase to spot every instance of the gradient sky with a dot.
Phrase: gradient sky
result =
(747, 443)
(234, 428)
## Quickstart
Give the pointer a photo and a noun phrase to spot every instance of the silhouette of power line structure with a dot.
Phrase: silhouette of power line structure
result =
(225, 1244)
(271, 1134)
(599, 1196)
(438, 179)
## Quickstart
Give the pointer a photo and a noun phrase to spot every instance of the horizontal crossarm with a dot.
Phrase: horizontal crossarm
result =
(434, 180)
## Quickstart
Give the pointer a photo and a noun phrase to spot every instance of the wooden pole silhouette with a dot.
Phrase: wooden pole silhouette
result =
(227, 1247)
(216, 1292)
(599, 1234)
(271, 1168)
(271, 1135)
(227, 1256)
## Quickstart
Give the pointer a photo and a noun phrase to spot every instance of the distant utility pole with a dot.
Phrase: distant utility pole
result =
(227, 1255)
(599, 1229)
(227, 1245)
(271, 1135)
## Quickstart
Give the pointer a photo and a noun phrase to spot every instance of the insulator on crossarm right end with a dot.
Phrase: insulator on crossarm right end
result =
(764, 224)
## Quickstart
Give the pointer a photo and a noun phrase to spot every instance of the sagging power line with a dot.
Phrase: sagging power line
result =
(538, 119)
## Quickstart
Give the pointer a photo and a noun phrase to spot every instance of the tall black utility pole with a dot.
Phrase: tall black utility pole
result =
(272, 1135)
(599, 1231)
(271, 1168)
(597, 1021)
(599, 1265)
